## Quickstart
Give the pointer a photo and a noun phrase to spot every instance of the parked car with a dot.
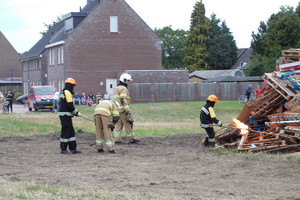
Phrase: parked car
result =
(22, 99)
(40, 97)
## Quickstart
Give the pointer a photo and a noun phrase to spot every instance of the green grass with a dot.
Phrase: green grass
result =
(181, 111)
(151, 119)
(257, 155)
(15, 126)
(32, 191)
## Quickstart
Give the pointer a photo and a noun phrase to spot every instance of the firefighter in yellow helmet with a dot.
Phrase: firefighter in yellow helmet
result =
(207, 118)
(121, 95)
(106, 116)
(66, 112)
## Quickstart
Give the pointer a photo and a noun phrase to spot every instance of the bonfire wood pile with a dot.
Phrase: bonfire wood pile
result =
(289, 56)
(273, 118)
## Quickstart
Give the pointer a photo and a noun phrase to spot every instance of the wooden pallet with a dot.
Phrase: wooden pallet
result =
(283, 87)
(291, 52)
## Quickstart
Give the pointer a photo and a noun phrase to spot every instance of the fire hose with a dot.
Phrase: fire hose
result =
(110, 125)
(87, 118)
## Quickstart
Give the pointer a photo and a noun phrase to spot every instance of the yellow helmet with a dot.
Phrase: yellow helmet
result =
(125, 77)
(71, 81)
(212, 98)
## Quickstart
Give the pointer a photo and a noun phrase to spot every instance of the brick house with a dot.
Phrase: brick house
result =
(92, 46)
(10, 66)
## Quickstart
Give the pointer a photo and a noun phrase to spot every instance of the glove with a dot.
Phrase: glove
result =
(115, 119)
(122, 101)
(78, 114)
(129, 117)
(220, 124)
(111, 126)
(127, 113)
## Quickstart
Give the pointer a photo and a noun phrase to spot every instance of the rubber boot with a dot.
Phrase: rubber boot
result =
(100, 150)
(211, 144)
(206, 142)
(63, 147)
(134, 140)
(75, 151)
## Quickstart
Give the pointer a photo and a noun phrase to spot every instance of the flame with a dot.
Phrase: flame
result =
(244, 129)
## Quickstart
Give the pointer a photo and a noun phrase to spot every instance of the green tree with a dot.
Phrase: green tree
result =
(196, 53)
(281, 31)
(49, 26)
(220, 45)
(173, 44)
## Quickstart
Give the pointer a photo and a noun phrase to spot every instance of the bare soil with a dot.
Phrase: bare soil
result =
(171, 167)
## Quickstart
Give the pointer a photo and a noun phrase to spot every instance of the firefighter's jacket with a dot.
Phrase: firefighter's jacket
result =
(66, 106)
(121, 95)
(106, 108)
(208, 116)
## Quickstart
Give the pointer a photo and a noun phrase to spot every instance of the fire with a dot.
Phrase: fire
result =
(244, 129)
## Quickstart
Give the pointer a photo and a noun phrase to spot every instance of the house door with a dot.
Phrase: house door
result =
(111, 83)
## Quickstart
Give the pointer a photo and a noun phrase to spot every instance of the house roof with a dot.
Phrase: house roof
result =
(244, 58)
(39, 47)
(234, 79)
(56, 33)
(243, 62)
(207, 74)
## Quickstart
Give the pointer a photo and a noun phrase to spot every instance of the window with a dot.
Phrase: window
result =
(51, 57)
(114, 24)
(60, 55)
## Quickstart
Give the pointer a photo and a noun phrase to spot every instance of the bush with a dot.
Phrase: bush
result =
(16, 95)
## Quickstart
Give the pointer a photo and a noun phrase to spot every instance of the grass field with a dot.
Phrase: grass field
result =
(151, 119)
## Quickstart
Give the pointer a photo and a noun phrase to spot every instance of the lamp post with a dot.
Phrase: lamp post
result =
(12, 75)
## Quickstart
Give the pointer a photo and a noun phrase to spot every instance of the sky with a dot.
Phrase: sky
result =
(21, 21)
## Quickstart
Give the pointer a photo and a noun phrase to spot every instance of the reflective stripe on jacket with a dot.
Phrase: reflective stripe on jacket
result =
(208, 116)
(66, 106)
(106, 108)
(121, 92)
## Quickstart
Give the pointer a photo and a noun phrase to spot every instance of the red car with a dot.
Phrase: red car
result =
(40, 97)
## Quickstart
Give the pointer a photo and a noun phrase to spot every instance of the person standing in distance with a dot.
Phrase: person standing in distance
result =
(121, 95)
(9, 98)
(66, 112)
(208, 118)
(55, 100)
(248, 92)
(258, 91)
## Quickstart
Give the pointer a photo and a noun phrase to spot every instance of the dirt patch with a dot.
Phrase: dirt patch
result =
(166, 166)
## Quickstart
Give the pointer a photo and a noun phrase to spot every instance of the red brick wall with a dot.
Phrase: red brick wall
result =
(159, 76)
(90, 81)
(9, 59)
(98, 54)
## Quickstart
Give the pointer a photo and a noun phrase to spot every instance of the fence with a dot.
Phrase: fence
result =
(172, 92)
(14, 88)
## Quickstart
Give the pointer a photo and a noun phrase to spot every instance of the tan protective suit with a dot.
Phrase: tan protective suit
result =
(121, 92)
(103, 117)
